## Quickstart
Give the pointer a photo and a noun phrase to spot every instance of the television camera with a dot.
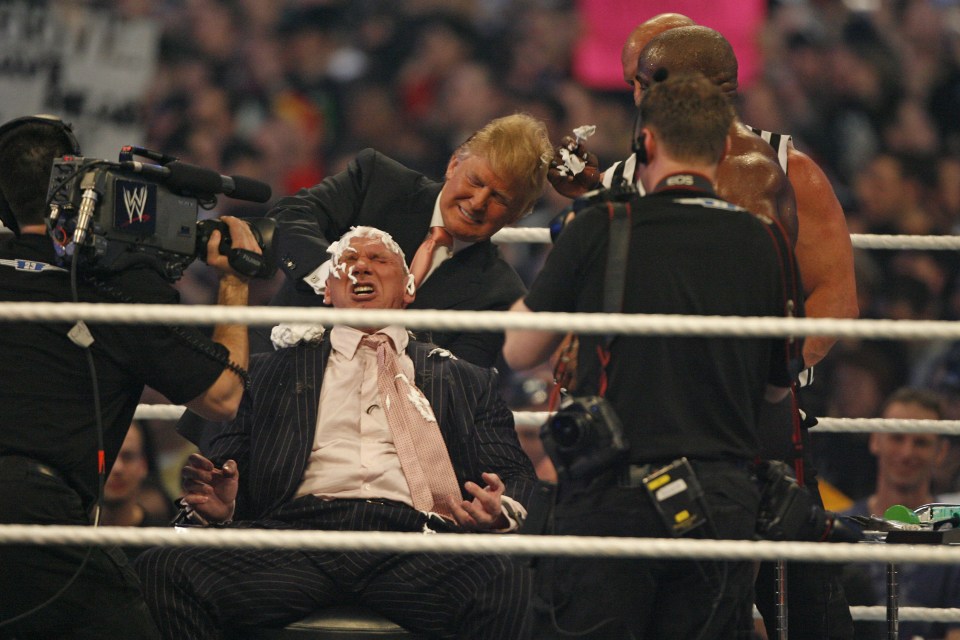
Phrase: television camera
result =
(115, 215)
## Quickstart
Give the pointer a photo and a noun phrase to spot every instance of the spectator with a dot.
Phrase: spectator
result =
(906, 463)
(133, 493)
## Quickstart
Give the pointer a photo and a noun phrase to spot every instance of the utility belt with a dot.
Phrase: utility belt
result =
(12, 462)
(632, 475)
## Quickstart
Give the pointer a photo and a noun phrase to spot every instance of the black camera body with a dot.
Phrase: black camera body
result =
(116, 218)
(584, 438)
(789, 512)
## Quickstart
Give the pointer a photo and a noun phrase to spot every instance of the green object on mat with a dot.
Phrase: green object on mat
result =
(900, 513)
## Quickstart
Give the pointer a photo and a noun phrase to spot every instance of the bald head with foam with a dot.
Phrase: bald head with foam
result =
(642, 35)
(686, 50)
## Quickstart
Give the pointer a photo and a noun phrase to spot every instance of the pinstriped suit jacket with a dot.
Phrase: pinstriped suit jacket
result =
(273, 433)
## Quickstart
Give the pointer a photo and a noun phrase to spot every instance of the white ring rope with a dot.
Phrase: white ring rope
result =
(878, 241)
(480, 544)
(879, 614)
(526, 419)
(590, 323)
(516, 235)
(885, 425)
(483, 544)
(174, 411)
(541, 235)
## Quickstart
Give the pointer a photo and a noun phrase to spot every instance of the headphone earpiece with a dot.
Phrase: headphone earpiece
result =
(640, 148)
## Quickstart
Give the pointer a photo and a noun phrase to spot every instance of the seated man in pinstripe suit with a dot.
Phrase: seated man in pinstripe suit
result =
(311, 448)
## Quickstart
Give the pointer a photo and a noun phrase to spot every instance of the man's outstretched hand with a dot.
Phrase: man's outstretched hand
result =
(210, 491)
(484, 512)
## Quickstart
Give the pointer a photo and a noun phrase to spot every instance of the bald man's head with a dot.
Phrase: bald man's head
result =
(644, 33)
(686, 50)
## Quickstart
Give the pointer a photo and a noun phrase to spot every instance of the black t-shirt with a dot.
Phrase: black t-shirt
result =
(690, 253)
(45, 386)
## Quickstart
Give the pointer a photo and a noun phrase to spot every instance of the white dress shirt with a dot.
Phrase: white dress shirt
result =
(353, 454)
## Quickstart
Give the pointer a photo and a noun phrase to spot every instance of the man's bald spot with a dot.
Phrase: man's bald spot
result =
(644, 33)
(694, 49)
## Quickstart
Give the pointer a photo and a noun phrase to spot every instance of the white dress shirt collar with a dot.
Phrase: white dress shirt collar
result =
(345, 340)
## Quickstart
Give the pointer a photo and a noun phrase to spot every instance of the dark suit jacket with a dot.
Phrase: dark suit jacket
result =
(273, 433)
(379, 192)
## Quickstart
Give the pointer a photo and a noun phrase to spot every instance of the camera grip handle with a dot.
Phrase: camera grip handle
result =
(245, 262)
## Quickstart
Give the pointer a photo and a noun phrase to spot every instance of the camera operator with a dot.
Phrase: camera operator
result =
(686, 252)
(59, 398)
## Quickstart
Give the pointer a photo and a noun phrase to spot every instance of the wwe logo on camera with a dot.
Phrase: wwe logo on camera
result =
(138, 202)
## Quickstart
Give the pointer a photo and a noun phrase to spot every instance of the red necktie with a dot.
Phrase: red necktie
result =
(434, 250)
(416, 434)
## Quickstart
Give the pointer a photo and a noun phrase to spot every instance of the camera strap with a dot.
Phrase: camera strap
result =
(615, 278)
(793, 352)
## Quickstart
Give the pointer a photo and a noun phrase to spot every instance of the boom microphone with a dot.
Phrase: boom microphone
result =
(188, 178)
(244, 188)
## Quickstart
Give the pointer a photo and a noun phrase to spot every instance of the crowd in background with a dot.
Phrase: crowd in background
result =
(288, 91)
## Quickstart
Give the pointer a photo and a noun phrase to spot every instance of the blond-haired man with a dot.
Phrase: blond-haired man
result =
(491, 181)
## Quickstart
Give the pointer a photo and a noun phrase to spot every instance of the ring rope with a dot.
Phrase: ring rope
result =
(913, 614)
(541, 235)
(524, 419)
(378, 541)
(592, 323)
(480, 544)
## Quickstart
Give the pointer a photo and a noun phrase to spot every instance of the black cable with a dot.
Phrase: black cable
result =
(723, 570)
(97, 411)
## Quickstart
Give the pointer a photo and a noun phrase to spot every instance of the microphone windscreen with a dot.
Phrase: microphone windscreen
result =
(188, 178)
(249, 189)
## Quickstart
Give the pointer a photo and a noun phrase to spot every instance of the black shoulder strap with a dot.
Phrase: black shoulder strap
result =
(615, 277)
(616, 273)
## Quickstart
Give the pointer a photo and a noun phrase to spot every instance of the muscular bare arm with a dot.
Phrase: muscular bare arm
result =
(823, 250)
(524, 348)
(750, 176)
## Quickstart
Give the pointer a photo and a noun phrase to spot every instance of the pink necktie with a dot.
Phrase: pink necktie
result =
(434, 250)
(416, 434)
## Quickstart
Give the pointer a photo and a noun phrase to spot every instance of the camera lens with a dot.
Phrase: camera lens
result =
(567, 430)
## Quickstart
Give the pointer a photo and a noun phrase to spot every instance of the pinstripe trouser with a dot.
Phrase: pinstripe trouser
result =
(198, 592)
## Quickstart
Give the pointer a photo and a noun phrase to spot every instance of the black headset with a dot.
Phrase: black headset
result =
(6, 214)
(639, 138)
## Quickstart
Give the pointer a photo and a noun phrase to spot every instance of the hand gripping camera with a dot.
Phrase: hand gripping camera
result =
(584, 438)
(119, 214)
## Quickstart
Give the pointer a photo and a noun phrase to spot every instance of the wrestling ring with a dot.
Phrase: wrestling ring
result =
(520, 545)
